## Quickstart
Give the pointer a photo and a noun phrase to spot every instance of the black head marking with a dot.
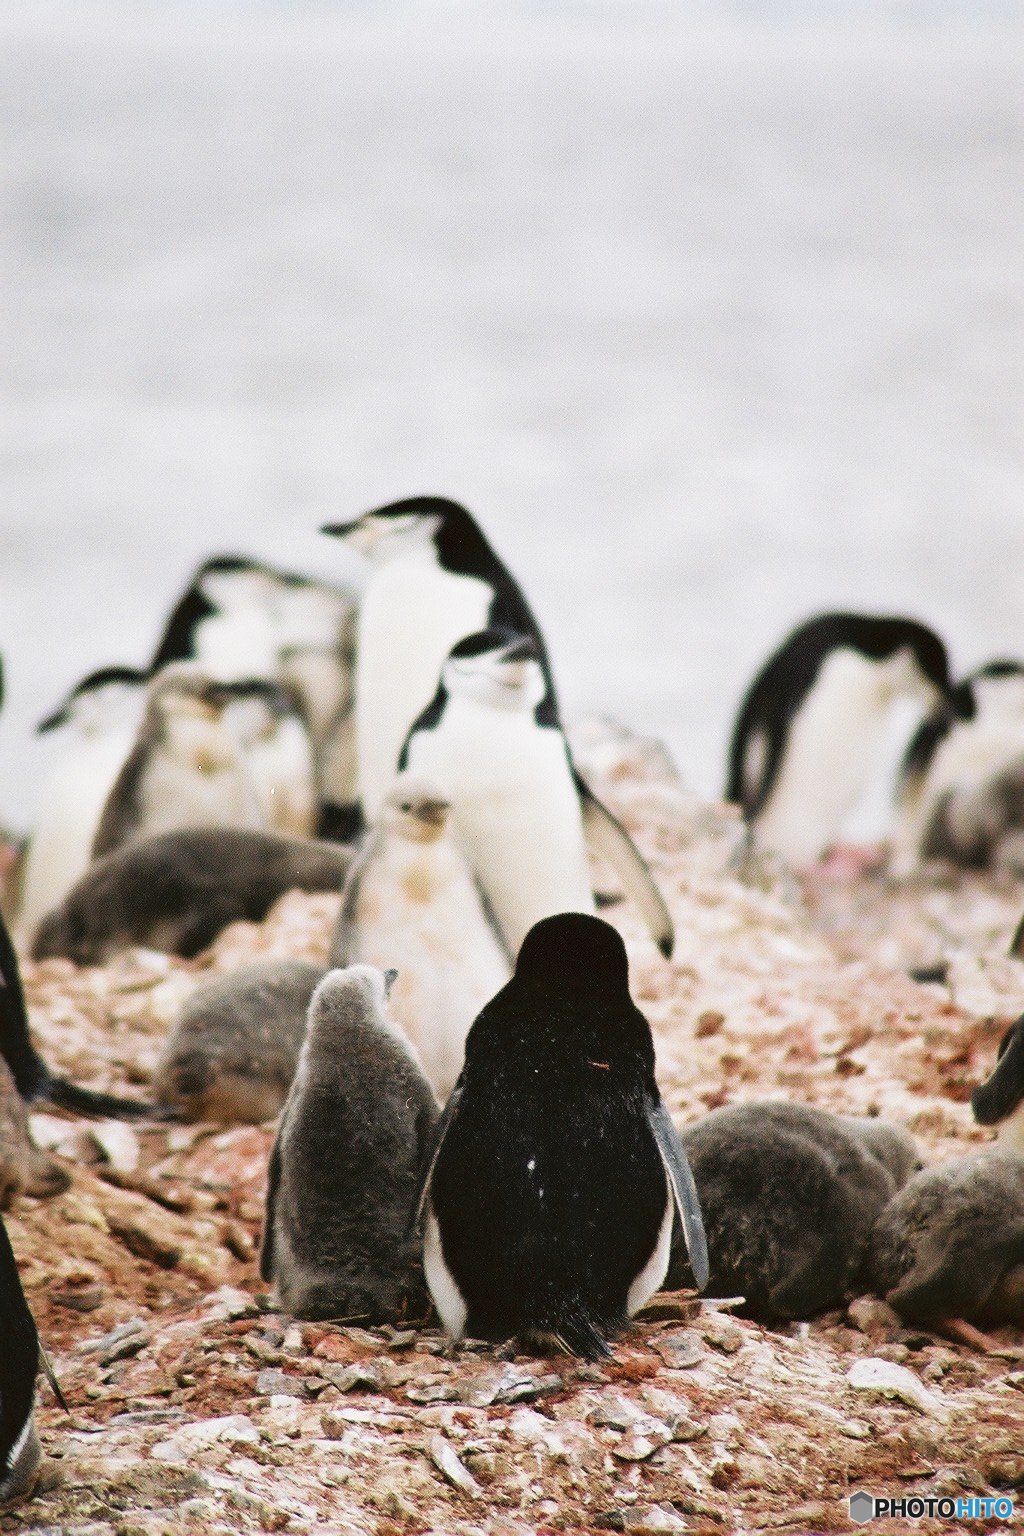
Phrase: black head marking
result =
(997, 1098)
(105, 677)
(176, 643)
(573, 949)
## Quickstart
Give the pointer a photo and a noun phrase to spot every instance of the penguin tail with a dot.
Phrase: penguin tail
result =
(568, 1330)
(102, 1106)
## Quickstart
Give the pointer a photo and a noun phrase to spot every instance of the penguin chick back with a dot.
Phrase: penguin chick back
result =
(344, 1168)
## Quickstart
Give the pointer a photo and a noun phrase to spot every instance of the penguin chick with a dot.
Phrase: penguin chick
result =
(186, 768)
(343, 1172)
(1000, 1100)
(491, 740)
(813, 723)
(950, 1246)
(789, 1195)
(232, 1054)
(959, 792)
(435, 579)
(278, 754)
(177, 891)
(411, 902)
(550, 1194)
(20, 1451)
(94, 728)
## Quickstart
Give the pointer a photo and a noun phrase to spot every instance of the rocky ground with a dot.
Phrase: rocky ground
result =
(194, 1406)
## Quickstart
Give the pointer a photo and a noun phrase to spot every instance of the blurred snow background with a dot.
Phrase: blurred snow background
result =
(712, 313)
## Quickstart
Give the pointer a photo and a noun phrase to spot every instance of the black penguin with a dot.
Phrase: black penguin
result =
(20, 1452)
(789, 1195)
(810, 725)
(550, 1195)
(999, 1101)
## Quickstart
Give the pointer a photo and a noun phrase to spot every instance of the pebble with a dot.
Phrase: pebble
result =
(680, 1351)
(452, 1469)
(885, 1379)
(272, 1383)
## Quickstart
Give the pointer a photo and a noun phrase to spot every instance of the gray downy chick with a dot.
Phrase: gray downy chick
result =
(344, 1169)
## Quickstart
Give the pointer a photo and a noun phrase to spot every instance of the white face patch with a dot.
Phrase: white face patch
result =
(500, 684)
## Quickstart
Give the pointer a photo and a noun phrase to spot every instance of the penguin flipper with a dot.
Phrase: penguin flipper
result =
(47, 1370)
(684, 1190)
(267, 1239)
(607, 836)
(345, 938)
(448, 1114)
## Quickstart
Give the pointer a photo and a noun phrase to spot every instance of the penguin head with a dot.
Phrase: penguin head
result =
(997, 690)
(416, 809)
(578, 951)
(231, 582)
(255, 708)
(1002, 1095)
(348, 1003)
(100, 702)
(498, 668)
(391, 531)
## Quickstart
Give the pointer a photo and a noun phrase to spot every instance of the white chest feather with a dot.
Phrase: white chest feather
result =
(198, 779)
(419, 912)
(71, 802)
(515, 809)
(651, 1277)
(412, 613)
(240, 643)
(280, 766)
(833, 743)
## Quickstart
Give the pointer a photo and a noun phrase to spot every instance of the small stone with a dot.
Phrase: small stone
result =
(615, 1412)
(229, 1303)
(278, 1384)
(708, 1023)
(116, 1336)
(870, 1315)
(84, 1298)
(432, 1392)
(885, 1379)
(681, 1350)
(722, 1333)
(637, 1445)
(447, 1462)
(350, 1378)
(126, 1347)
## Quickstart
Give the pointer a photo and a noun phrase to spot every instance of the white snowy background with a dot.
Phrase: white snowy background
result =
(712, 313)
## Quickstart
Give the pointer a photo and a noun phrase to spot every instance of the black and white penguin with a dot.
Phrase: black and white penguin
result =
(354, 1133)
(271, 729)
(94, 727)
(490, 739)
(814, 723)
(232, 1054)
(948, 1250)
(790, 1194)
(435, 579)
(175, 892)
(999, 1101)
(550, 1195)
(187, 767)
(961, 787)
(412, 904)
(20, 1451)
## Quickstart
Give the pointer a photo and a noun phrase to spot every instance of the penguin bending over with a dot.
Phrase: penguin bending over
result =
(232, 1054)
(790, 1195)
(435, 580)
(186, 768)
(343, 1172)
(177, 891)
(999, 1101)
(961, 789)
(20, 1361)
(492, 742)
(411, 902)
(814, 721)
(96, 723)
(550, 1194)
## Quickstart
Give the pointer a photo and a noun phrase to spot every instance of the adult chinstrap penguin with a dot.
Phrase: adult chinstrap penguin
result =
(549, 1198)
(20, 1360)
(354, 1133)
(435, 579)
(812, 727)
(491, 740)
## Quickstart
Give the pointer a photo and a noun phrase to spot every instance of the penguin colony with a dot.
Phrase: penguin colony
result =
(470, 1118)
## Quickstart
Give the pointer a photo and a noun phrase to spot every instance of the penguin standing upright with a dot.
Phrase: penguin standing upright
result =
(813, 723)
(95, 726)
(435, 580)
(550, 1195)
(20, 1451)
(271, 729)
(186, 769)
(492, 742)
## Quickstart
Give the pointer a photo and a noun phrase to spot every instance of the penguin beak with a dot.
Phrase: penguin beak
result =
(51, 723)
(362, 534)
(390, 977)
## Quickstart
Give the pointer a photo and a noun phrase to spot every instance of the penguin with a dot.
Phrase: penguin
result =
(814, 722)
(354, 1131)
(790, 1195)
(232, 1054)
(32, 1077)
(549, 1196)
(999, 1101)
(435, 579)
(411, 902)
(20, 1360)
(948, 1251)
(491, 740)
(186, 768)
(175, 892)
(271, 730)
(94, 726)
(961, 786)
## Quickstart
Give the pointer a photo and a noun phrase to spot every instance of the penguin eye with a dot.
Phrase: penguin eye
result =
(406, 805)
